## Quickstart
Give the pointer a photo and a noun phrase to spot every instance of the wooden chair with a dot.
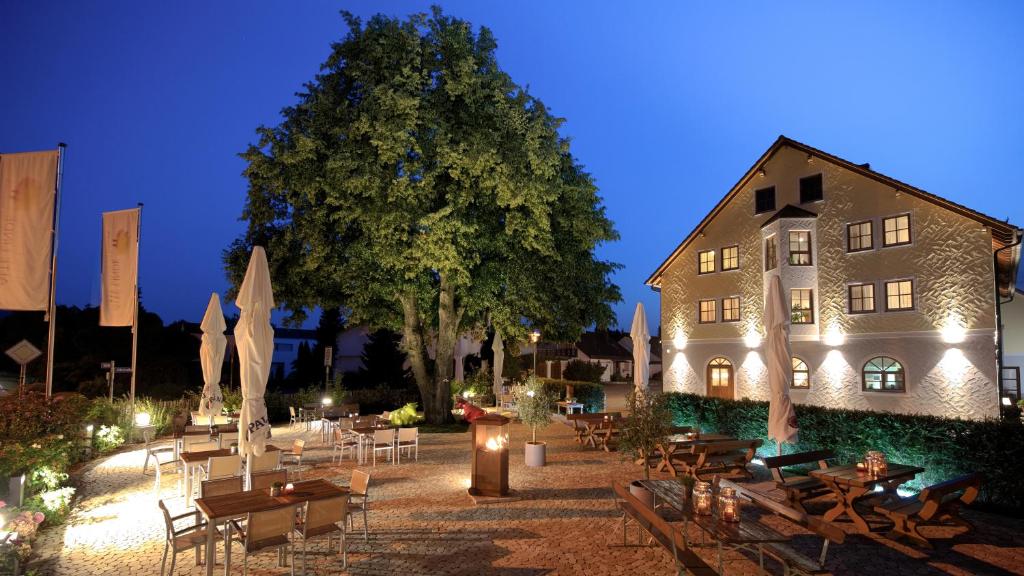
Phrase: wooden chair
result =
(264, 480)
(791, 559)
(177, 540)
(270, 460)
(725, 457)
(262, 531)
(220, 487)
(408, 438)
(799, 488)
(359, 499)
(668, 536)
(324, 518)
(294, 456)
(384, 441)
(293, 418)
(937, 504)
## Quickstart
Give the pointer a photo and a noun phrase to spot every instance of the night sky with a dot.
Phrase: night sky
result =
(667, 105)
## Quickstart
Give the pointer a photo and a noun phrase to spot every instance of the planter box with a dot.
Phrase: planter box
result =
(536, 453)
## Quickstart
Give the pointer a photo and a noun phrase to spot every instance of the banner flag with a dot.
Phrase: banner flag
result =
(28, 187)
(119, 269)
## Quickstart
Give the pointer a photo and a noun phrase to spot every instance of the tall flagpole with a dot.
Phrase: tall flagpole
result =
(135, 319)
(51, 312)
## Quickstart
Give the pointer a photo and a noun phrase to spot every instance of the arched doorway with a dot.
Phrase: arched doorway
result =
(720, 380)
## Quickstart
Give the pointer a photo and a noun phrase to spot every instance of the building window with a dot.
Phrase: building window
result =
(706, 262)
(899, 295)
(708, 312)
(771, 254)
(799, 248)
(731, 258)
(883, 374)
(731, 309)
(802, 306)
(862, 298)
(810, 189)
(896, 230)
(764, 200)
(859, 236)
(801, 375)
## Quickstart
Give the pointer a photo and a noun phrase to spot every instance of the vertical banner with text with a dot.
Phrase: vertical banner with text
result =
(28, 184)
(119, 269)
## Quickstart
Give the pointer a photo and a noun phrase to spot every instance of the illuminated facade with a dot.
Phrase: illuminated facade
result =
(893, 290)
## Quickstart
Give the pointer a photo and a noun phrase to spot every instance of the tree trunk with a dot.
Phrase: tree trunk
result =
(448, 319)
(416, 348)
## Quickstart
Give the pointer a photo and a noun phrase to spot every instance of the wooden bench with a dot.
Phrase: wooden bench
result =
(799, 488)
(936, 504)
(792, 560)
(669, 537)
(720, 457)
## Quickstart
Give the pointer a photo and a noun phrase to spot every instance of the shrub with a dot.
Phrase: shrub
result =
(108, 438)
(590, 394)
(54, 504)
(33, 416)
(54, 453)
(404, 416)
(583, 371)
(480, 385)
(944, 447)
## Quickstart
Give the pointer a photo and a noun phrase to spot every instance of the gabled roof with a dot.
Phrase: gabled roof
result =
(1003, 233)
(789, 211)
(602, 345)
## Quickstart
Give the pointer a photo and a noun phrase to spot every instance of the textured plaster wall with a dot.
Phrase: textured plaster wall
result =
(950, 261)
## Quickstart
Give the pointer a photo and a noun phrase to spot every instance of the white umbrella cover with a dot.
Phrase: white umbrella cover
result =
(782, 426)
(499, 363)
(254, 337)
(211, 356)
(641, 338)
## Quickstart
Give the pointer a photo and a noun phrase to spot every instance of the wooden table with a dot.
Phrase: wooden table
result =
(748, 533)
(190, 460)
(850, 485)
(570, 407)
(678, 442)
(217, 509)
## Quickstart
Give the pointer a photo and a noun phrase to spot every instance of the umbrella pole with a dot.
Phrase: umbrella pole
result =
(778, 443)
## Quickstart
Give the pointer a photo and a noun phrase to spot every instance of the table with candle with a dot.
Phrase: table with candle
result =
(855, 482)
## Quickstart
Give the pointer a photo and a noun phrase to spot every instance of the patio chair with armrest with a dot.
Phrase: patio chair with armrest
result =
(324, 518)
(265, 530)
(178, 540)
(384, 441)
(409, 439)
(294, 456)
(359, 499)
(264, 480)
(344, 441)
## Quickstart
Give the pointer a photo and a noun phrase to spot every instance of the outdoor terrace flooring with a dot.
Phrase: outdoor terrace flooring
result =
(422, 522)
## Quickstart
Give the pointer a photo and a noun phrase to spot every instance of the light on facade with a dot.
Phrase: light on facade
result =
(834, 337)
(679, 341)
(752, 339)
(954, 331)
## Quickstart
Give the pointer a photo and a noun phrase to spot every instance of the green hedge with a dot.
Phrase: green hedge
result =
(590, 394)
(944, 447)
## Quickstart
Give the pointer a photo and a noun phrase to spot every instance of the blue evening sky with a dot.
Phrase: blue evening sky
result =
(667, 104)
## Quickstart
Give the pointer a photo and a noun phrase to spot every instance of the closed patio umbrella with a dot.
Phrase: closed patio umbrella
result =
(499, 363)
(254, 337)
(641, 338)
(782, 426)
(211, 356)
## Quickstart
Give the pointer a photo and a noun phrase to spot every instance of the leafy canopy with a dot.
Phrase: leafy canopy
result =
(411, 161)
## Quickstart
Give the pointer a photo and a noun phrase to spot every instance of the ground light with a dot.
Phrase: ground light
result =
(143, 419)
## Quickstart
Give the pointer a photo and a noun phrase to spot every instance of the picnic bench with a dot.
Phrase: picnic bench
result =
(936, 504)
(724, 457)
(791, 559)
(596, 429)
(799, 488)
(851, 485)
(680, 443)
(670, 537)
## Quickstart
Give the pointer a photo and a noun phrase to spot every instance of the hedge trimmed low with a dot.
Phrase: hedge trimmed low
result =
(589, 394)
(944, 447)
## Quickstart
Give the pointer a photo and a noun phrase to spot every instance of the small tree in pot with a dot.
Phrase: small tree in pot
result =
(533, 403)
(646, 426)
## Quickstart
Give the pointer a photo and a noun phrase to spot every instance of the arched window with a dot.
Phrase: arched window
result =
(884, 374)
(801, 375)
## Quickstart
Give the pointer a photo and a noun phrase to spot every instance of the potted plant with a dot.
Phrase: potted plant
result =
(644, 429)
(534, 406)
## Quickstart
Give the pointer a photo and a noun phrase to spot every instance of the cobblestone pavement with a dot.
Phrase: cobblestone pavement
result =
(423, 523)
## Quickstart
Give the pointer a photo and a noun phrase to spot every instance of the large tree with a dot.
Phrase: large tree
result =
(416, 186)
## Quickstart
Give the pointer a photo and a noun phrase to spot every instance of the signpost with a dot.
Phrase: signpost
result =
(328, 361)
(23, 352)
(112, 370)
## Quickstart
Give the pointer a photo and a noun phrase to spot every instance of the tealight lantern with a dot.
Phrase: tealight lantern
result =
(490, 456)
(729, 505)
(702, 498)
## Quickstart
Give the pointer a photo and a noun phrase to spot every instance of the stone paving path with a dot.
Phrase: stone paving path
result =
(423, 523)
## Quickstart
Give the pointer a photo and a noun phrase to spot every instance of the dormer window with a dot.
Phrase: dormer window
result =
(811, 189)
(764, 200)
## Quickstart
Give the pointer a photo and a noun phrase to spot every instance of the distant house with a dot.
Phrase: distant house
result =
(286, 349)
(611, 350)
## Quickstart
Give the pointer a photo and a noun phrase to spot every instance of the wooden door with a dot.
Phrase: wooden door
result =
(720, 381)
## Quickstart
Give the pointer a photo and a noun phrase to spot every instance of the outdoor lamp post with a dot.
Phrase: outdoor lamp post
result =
(534, 338)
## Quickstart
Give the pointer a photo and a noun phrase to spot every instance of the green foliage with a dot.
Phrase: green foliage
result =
(646, 426)
(583, 371)
(404, 416)
(534, 403)
(54, 503)
(232, 399)
(944, 447)
(33, 416)
(108, 438)
(52, 452)
(590, 394)
(415, 184)
(383, 363)
(479, 385)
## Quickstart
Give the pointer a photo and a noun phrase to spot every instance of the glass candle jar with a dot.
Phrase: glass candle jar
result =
(702, 498)
(728, 505)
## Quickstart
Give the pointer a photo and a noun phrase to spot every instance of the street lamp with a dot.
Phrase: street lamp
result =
(534, 338)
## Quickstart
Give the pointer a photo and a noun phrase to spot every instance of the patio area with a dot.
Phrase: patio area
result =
(423, 522)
